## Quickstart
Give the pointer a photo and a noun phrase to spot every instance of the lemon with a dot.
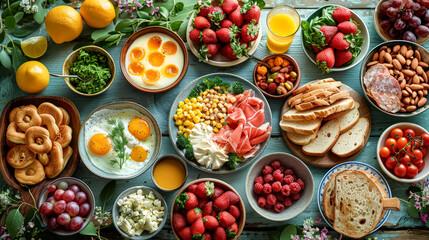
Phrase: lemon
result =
(63, 24)
(32, 77)
(34, 47)
(97, 13)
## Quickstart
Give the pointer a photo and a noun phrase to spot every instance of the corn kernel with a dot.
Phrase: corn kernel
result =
(187, 100)
(191, 125)
(214, 123)
(199, 98)
(186, 123)
(185, 113)
(233, 99)
(204, 93)
(222, 120)
(219, 125)
(181, 104)
(215, 100)
(176, 117)
(207, 122)
(181, 128)
(179, 122)
(179, 132)
(199, 114)
(215, 110)
(193, 100)
(196, 119)
(190, 116)
(215, 130)
(214, 105)
(186, 134)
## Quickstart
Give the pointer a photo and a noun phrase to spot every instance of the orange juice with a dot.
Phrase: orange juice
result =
(282, 27)
(169, 174)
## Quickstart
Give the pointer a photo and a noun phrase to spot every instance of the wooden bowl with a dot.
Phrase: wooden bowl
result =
(296, 69)
(142, 32)
(221, 184)
(8, 172)
(71, 58)
(382, 33)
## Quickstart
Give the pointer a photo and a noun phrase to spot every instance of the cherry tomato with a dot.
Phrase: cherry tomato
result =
(425, 137)
(400, 170)
(391, 144)
(416, 142)
(408, 148)
(418, 154)
(409, 132)
(384, 152)
(401, 143)
(390, 162)
(406, 159)
(424, 151)
(412, 170)
(420, 164)
(396, 133)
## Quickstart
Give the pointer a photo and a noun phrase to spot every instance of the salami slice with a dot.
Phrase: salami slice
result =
(372, 72)
(385, 84)
(389, 103)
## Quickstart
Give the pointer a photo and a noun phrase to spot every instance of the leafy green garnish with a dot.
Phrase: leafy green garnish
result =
(189, 152)
(237, 88)
(322, 66)
(232, 161)
(249, 3)
(182, 141)
(355, 41)
(119, 141)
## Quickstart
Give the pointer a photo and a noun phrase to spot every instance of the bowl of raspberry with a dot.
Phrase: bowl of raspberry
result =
(279, 186)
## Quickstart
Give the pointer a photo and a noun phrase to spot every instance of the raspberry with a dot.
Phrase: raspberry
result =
(277, 186)
(268, 206)
(282, 168)
(294, 177)
(262, 201)
(267, 188)
(257, 188)
(275, 164)
(259, 179)
(278, 175)
(301, 183)
(286, 190)
(267, 170)
(268, 178)
(287, 202)
(278, 207)
(280, 197)
(296, 196)
(288, 179)
(288, 172)
(271, 199)
(295, 188)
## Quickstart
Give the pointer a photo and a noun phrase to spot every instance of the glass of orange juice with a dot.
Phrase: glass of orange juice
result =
(282, 23)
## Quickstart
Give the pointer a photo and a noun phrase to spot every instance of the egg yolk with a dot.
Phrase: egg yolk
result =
(139, 128)
(169, 48)
(171, 70)
(151, 76)
(138, 154)
(100, 144)
(156, 59)
(154, 43)
(136, 68)
(137, 54)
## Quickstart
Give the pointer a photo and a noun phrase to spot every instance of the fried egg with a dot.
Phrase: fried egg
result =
(100, 147)
(154, 61)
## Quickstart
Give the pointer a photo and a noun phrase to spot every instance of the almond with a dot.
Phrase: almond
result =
(409, 53)
(408, 89)
(423, 64)
(406, 100)
(411, 108)
(402, 110)
(381, 58)
(401, 59)
(388, 57)
(417, 55)
(422, 102)
(414, 63)
(408, 62)
(396, 48)
(405, 93)
(425, 92)
(403, 83)
(419, 70)
(425, 77)
(375, 56)
(388, 65)
(420, 93)
(403, 50)
(407, 72)
(416, 87)
(397, 64)
(416, 79)
(372, 63)
(414, 94)
(425, 85)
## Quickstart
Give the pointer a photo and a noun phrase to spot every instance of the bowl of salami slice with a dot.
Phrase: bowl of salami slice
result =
(394, 78)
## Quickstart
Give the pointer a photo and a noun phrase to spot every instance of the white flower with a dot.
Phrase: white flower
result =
(34, 8)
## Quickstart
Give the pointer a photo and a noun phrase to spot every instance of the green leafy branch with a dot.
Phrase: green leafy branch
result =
(119, 141)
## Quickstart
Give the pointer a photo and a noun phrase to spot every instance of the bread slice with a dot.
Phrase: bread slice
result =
(329, 198)
(338, 96)
(312, 104)
(320, 84)
(339, 114)
(358, 204)
(348, 120)
(308, 127)
(353, 140)
(301, 139)
(318, 112)
(326, 138)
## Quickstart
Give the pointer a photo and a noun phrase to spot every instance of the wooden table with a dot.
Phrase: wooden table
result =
(398, 226)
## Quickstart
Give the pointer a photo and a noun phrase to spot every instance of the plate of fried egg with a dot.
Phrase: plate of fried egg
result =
(119, 140)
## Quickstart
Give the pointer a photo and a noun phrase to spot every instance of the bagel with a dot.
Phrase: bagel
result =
(56, 162)
(14, 134)
(65, 136)
(66, 116)
(30, 175)
(67, 153)
(12, 113)
(49, 122)
(37, 139)
(27, 117)
(51, 109)
(11, 144)
(20, 156)
(43, 158)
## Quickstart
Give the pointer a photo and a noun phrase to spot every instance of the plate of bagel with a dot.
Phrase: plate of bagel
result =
(38, 141)
(325, 123)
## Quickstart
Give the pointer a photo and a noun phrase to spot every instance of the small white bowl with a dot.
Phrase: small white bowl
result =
(381, 141)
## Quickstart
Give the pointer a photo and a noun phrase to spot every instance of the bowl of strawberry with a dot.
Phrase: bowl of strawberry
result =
(207, 208)
(66, 206)
(279, 186)
(334, 38)
(224, 33)
(402, 152)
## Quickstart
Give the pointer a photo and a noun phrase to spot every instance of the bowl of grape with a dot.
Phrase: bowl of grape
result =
(66, 206)
(402, 20)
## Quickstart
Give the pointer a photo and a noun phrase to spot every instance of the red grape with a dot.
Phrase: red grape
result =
(399, 24)
(393, 33)
(84, 210)
(409, 4)
(46, 208)
(76, 223)
(392, 12)
(52, 188)
(406, 15)
(72, 209)
(80, 198)
(52, 223)
(59, 207)
(58, 194)
(426, 17)
(385, 5)
(385, 24)
(414, 22)
(409, 36)
(68, 196)
(416, 6)
(75, 188)
(420, 12)
(63, 219)
(422, 31)
(51, 200)
(425, 3)
(63, 185)
(396, 3)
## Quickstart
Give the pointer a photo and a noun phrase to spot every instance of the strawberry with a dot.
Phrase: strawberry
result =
(203, 9)
(219, 234)
(338, 42)
(329, 32)
(253, 14)
(347, 27)
(202, 202)
(236, 17)
(228, 52)
(185, 233)
(187, 200)
(208, 50)
(229, 5)
(217, 192)
(226, 219)
(208, 208)
(249, 32)
(222, 202)
(201, 23)
(179, 221)
(210, 222)
(226, 34)
(195, 35)
(235, 212)
(234, 198)
(193, 214)
(197, 228)
(226, 23)
(209, 36)
(205, 189)
(207, 236)
(341, 14)
(193, 186)
(325, 59)
(342, 57)
(233, 228)
(216, 15)
(316, 49)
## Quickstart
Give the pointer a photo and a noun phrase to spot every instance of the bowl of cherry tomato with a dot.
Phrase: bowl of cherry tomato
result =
(402, 152)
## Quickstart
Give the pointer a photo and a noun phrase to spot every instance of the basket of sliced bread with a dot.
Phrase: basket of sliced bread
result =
(325, 123)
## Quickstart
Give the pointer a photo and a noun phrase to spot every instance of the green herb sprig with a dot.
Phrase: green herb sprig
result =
(119, 141)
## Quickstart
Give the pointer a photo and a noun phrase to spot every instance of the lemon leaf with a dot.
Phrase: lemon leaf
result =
(5, 59)
(10, 22)
(18, 16)
(17, 58)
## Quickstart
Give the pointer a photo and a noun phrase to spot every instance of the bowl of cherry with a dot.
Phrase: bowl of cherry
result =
(66, 206)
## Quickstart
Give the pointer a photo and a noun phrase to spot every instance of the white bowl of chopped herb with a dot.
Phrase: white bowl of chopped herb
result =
(94, 66)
